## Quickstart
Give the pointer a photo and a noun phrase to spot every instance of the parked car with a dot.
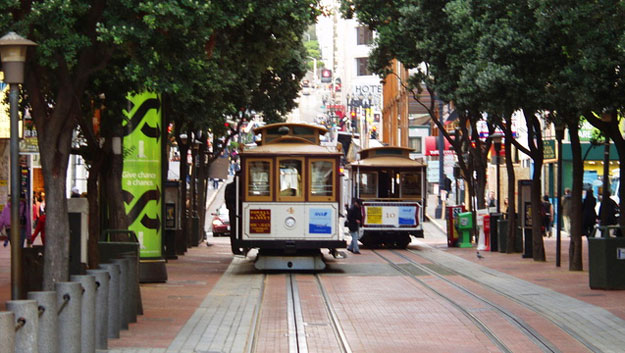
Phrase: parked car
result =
(221, 222)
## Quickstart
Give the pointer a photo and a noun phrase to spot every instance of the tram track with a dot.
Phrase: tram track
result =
(541, 342)
(545, 314)
(298, 340)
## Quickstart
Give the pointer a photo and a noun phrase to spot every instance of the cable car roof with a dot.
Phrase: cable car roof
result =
(387, 156)
(322, 130)
(288, 148)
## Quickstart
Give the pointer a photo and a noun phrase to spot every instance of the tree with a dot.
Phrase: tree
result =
(153, 46)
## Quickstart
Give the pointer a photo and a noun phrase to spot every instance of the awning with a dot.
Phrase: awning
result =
(431, 145)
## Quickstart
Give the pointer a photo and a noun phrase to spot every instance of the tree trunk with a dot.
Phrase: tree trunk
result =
(54, 150)
(114, 197)
(184, 174)
(93, 196)
(534, 140)
(538, 249)
(511, 211)
(575, 245)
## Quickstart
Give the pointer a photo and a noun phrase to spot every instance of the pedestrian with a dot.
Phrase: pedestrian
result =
(40, 228)
(607, 212)
(506, 207)
(566, 210)
(547, 214)
(354, 220)
(5, 221)
(75, 192)
(589, 216)
(491, 199)
(230, 196)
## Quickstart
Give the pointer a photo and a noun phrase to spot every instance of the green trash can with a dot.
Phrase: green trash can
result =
(606, 262)
(465, 226)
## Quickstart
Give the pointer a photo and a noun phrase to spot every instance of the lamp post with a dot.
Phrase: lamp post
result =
(559, 137)
(13, 51)
(496, 138)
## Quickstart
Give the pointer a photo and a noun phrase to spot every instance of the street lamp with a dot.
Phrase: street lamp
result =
(559, 136)
(13, 51)
(496, 138)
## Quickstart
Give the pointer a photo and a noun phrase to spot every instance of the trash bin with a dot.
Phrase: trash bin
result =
(494, 231)
(502, 235)
(465, 226)
(606, 262)
(453, 234)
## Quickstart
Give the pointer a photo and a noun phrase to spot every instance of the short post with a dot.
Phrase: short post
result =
(102, 278)
(68, 300)
(87, 312)
(25, 324)
(113, 300)
(124, 292)
(7, 332)
(133, 282)
(48, 333)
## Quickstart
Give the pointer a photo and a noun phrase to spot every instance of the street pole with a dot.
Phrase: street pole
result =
(559, 137)
(16, 247)
(13, 51)
(606, 180)
(438, 212)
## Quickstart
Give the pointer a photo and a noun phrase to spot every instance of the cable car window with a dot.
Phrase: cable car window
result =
(410, 185)
(322, 179)
(290, 183)
(259, 178)
(368, 184)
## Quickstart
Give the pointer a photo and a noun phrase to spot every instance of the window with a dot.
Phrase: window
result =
(290, 181)
(259, 180)
(362, 65)
(415, 144)
(410, 185)
(368, 184)
(322, 180)
(365, 36)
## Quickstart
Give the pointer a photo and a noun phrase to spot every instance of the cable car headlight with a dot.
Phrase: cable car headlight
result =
(289, 222)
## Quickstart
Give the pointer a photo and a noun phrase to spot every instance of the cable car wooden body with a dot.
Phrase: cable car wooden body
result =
(392, 189)
(288, 195)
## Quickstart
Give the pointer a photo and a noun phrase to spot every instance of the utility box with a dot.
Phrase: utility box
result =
(78, 216)
(465, 226)
(606, 263)
(453, 234)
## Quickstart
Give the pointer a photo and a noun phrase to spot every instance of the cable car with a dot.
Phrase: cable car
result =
(288, 194)
(391, 187)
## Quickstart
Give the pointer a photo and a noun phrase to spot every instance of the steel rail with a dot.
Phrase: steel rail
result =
(571, 332)
(336, 325)
(543, 343)
(478, 323)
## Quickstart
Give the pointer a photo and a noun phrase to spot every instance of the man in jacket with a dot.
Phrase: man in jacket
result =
(354, 220)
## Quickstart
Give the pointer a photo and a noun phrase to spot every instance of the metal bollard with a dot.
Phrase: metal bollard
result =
(25, 325)
(113, 300)
(133, 282)
(87, 312)
(102, 278)
(124, 292)
(7, 332)
(47, 335)
(68, 299)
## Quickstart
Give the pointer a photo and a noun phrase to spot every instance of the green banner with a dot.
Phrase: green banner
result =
(141, 178)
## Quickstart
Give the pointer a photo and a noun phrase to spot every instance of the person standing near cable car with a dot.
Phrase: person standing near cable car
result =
(354, 220)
